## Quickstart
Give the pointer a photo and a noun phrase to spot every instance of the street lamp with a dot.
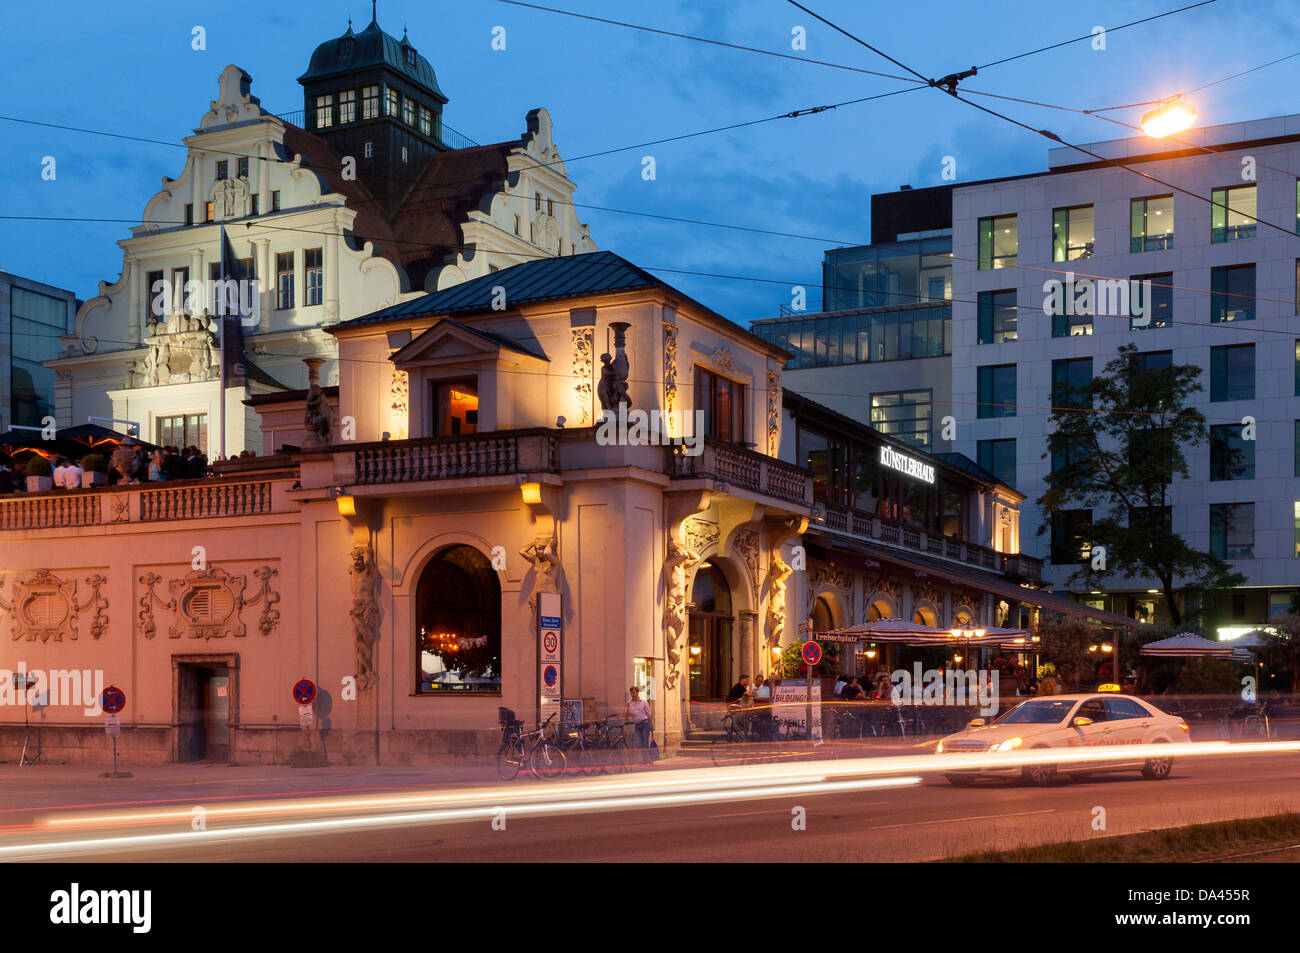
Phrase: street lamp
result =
(1171, 117)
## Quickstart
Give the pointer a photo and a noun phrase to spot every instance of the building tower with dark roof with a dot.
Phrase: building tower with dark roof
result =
(375, 98)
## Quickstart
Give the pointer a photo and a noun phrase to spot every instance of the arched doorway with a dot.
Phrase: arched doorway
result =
(823, 615)
(712, 651)
(458, 624)
(924, 615)
(880, 609)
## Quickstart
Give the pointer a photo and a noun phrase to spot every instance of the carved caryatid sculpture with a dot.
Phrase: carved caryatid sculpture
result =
(545, 561)
(318, 417)
(680, 560)
(365, 613)
(774, 622)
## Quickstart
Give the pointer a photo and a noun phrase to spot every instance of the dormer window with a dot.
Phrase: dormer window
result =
(345, 47)
(410, 56)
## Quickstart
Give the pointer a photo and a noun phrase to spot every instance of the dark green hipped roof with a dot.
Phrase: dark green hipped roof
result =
(371, 47)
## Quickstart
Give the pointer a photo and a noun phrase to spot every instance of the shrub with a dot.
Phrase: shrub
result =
(95, 463)
(38, 466)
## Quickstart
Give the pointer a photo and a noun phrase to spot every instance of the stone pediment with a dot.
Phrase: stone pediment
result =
(449, 342)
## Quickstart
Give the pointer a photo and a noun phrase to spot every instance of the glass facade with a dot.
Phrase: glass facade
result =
(904, 414)
(36, 321)
(1232, 530)
(820, 340)
(874, 276)
(1231, 457)
(1070, 380)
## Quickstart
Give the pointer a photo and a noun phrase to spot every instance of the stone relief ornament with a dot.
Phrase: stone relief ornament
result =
(541, 555)
(582, 364)
(773, 413)
(318, 417)
(928, 592)
(722, 359)
(365, 613)
(230, 199)
(180, 349)
(266, 598)
(680, 560)
(612, 389)
(837, 579)
(206, 603)
(670, 367)
(45, 606)
(400, 394)
(700, 534)
(747, 548)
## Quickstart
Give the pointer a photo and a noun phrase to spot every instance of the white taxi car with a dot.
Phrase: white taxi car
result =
(1065, 721)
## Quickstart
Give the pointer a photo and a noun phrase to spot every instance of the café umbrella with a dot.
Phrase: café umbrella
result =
(1187, 645)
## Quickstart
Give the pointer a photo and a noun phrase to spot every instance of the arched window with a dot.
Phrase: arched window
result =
(458, 623)
(924, 615)
(963, 620)
(880, 609)
(710, 592)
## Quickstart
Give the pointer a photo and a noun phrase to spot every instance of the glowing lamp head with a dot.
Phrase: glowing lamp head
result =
(347, 505)
(1168, 119)
(532, 492)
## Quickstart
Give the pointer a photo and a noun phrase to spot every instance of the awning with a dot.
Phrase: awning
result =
(985, 582)
(1187, 645)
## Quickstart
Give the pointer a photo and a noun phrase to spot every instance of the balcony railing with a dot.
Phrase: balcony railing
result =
(135, 503)
(451, 458)
(49, 510)
(205, 501)
(917, 540)
(746, 469)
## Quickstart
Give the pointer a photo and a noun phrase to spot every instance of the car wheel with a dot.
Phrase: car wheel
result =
(1039, 774)
(960, 780)
(1157, 769)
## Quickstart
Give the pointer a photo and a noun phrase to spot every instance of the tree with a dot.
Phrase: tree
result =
(1117, 445)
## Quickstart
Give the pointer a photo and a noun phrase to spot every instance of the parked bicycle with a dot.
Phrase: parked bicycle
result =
(535, 750)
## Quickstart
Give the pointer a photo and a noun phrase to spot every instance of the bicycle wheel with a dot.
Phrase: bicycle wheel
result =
(619, 757)
(547, 762)
(509, 760)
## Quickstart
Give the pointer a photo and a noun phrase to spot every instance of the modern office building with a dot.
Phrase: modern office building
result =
(1223, 258)
(33, 317)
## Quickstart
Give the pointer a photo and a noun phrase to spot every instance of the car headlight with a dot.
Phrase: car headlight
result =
(1008, 744)
(939, 750)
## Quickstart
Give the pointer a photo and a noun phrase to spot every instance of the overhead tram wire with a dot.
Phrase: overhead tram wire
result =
(949, 85)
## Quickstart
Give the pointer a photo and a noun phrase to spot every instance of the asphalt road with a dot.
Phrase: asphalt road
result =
(923, 821)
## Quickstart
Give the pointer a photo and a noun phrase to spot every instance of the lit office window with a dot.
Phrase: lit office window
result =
(998, 241)
(408, 110)
(390, 101)
(369, 102)
(1151, 224)
(426, 121)
(1232, 293)
(904, 414)
(1073, 233)
(1232, 213)
(347, 105)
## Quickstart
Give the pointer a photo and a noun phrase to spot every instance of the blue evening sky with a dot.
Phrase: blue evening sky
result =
(128, 67)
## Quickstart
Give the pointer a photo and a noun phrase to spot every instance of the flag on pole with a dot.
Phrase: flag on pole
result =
(229, 311)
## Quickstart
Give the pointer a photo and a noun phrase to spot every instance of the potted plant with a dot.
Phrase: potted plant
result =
(40, 475)
(94, 470)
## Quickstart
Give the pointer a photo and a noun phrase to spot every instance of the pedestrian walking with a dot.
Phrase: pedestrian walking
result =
(638, 712)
